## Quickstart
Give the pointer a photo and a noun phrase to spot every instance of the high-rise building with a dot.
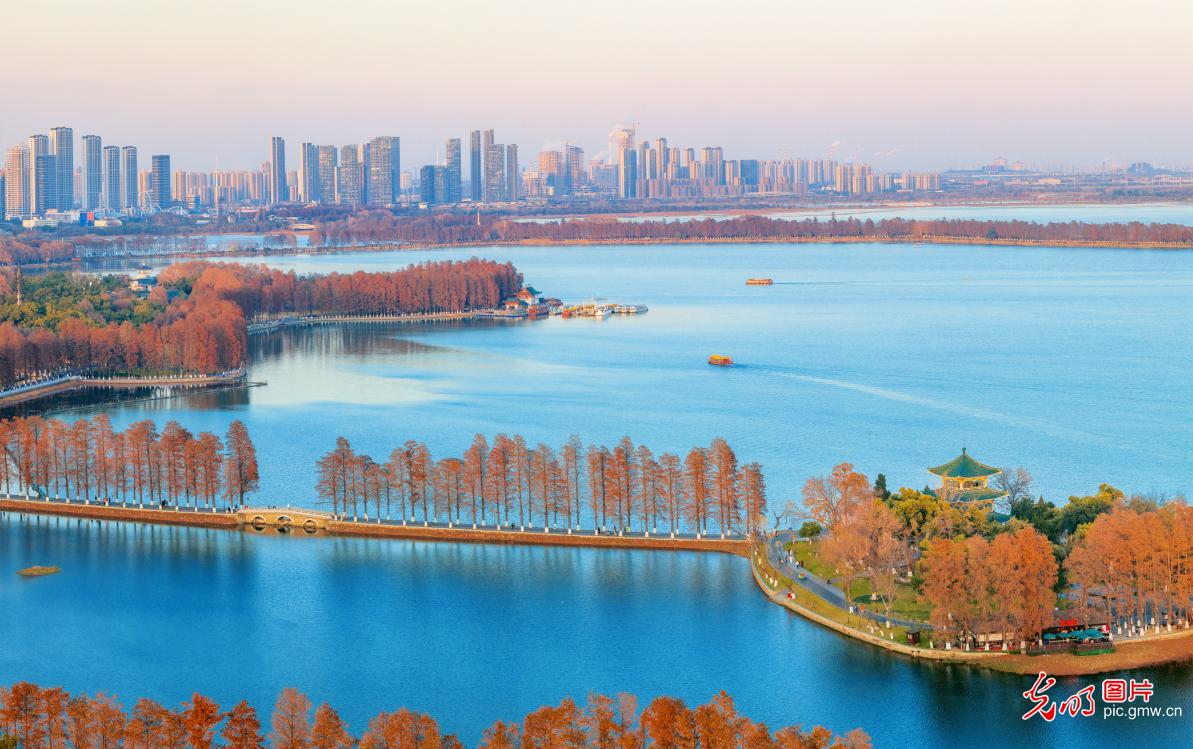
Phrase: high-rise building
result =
(494, 163)
(277, 170)
(383, 170)
(350, 176)
(573, 167)
(627, 173)
(454, 192)
(16, 183)
(513, 175)
(326, 164)
(128, 178)
(474, 166)
(43, 176)
(619, 140)
(93, 171)
(159, 182)
(433, 184)
(62, 146)
(110, 191)
(308, 168)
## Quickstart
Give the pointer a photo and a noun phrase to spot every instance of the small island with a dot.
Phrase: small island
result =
(39, 571)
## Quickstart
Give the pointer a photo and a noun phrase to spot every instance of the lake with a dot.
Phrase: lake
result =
(1072, 363)
(471, 633)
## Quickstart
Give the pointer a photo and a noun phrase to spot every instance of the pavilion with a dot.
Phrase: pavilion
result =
(963, 481)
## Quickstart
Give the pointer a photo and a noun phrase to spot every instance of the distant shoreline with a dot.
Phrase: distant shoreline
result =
(249, 256)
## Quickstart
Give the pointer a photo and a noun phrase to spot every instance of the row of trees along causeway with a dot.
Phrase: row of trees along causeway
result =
(370, 227)
(35, 718)
(88, 459)
(194, 320)
(622, 488)
(1117, 560)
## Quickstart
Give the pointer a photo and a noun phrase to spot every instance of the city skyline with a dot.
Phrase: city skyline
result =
(968, 87)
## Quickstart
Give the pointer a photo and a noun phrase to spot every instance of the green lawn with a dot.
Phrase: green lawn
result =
(811, 601)
(907, 603)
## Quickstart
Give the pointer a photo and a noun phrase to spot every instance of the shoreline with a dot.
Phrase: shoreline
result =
(416, 246)
(1166, 648)
(347, 528)
(116, 383)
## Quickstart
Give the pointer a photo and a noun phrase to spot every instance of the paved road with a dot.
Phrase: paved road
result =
(821, 587)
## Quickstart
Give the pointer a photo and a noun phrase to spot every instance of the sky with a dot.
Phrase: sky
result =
(921, 84)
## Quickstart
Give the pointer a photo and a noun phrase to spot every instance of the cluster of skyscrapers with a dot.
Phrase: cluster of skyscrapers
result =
(40, 180)
(371, 173)
(645, 169)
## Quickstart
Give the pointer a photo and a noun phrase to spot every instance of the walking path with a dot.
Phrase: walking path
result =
(779, 559)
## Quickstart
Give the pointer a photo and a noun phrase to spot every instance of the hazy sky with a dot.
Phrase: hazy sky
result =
(916, 83)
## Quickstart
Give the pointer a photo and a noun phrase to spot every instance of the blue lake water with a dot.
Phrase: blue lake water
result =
(470, 633)
(1072, 363)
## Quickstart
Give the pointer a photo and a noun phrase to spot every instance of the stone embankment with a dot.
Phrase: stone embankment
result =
(326, 524)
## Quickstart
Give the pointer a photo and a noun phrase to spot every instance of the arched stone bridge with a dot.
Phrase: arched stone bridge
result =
(283, 520)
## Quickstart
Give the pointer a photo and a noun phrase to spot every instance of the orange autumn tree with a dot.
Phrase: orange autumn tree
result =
(88, 459)
(506, 481)
(1134, 560)
(979, 587)
(52, 719)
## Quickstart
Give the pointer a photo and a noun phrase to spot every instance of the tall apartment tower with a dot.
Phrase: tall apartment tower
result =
(128, 178)
(110, 192)
(350, 176)
(627, 173)
(43, 176)
(308, 172)
(159, 182)
(383, 168)
(474, 166)
(93, 173)
(454, 187)
(494, 172)
(326, 164)
(62, 146)
(16, 183)
(277, 170)
(512, 173)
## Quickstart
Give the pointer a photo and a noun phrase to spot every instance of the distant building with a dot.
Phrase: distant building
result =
(16, 183)
(128, 178)
(474, 166)
(454, 191)
(277, 170)
(62, 146)
(160, 196)
(327, 165)
(43, 176)
(308, 168)
(110, 189)
(494, 173)
(350, 176)
(627, 174)
(383, 167)
(512, 173)
(93, 173)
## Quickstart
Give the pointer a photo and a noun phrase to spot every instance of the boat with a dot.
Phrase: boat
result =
(717, 360)
(759, 281)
